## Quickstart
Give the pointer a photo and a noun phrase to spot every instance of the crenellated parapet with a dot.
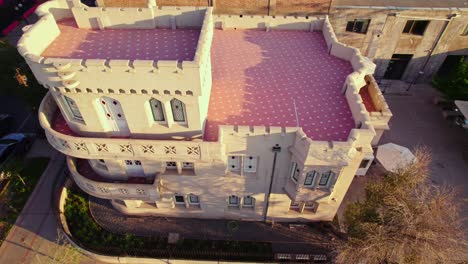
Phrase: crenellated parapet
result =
(68, 74)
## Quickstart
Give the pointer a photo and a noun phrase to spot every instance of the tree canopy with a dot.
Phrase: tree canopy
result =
(405, 218)
(454, 86)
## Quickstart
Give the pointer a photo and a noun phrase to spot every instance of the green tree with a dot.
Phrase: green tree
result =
(16, 77)
(404, 218)
(454, 86)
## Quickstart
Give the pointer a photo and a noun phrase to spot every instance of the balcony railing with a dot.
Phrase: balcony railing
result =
(124, 148)
(100, 187)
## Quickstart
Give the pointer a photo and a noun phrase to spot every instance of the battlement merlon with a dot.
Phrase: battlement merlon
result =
(88, 58)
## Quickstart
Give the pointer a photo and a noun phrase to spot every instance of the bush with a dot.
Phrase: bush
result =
(92, 236)
(454, 86)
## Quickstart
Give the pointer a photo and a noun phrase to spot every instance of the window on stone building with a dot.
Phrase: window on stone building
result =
(234, 163)
(157, 110)
(72, 108)
(248, 201)
(250, 164)
(193, 199)
(179, 199)
(364, 163)
(171, 165)
(325, 178)
(295, 205)
(295, 172)
(178, 111)
(358, 26)
(310, 177)
(416, 27)
(233, 201)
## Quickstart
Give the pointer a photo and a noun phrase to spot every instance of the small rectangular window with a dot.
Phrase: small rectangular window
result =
(179, 199)
(248, 201)
(358, 26)
(233, 200)
(73, 108)
(364, 163)
(416, 27)
(250, 164)
(187, 165)
(465, 31)
(193, 199)
(171, 165)
(325, 178)
(141, 191)
(234, 163)
(295, 205)
(311, 206)
(309, 179)
(295, 172)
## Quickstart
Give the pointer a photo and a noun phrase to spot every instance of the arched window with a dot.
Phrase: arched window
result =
(310, 178)
(157, 110)
(233, 201)
(248, 201)
(178, 110)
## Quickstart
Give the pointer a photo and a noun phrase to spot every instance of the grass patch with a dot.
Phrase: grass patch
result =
(93, 237)
(17, 193)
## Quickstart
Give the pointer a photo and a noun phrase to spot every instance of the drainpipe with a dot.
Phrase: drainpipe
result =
(276, 149)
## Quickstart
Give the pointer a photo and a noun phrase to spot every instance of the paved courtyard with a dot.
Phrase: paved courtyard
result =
(418, 121)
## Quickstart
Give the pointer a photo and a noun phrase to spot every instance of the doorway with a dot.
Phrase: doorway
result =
(134, 168)
(397, 66)
(114, 115)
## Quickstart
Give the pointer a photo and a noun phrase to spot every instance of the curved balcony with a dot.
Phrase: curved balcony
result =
(62, 138)
(95, 185)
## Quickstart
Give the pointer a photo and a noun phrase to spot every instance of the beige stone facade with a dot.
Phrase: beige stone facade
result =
(166, 167)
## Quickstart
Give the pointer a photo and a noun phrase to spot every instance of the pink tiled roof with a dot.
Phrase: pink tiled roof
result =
(259, 76)
(122, 44)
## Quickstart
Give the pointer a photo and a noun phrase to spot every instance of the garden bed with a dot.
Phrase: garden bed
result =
(87, 233)
(16, 194)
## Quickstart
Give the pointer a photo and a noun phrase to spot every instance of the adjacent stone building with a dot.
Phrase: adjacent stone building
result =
(176, 111)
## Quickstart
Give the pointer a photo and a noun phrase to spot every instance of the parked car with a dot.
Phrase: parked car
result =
(14, 145)
(6, 122)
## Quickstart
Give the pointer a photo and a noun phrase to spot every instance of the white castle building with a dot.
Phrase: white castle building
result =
(176, 111)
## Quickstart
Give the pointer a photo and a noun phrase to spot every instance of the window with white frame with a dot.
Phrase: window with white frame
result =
(194, 199)
(250, 164)
(310, 178)
(187, 165)
(234, 163)
(233, 201)
(325, 179)
(73, 110)
(364, 163)
(178, 111)
(248, 201)
(171, 165)
(157, 110)
(104, 189)
(179, 199)
(295, 172)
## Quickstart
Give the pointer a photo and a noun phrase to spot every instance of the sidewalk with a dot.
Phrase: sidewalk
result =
(34, 234)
